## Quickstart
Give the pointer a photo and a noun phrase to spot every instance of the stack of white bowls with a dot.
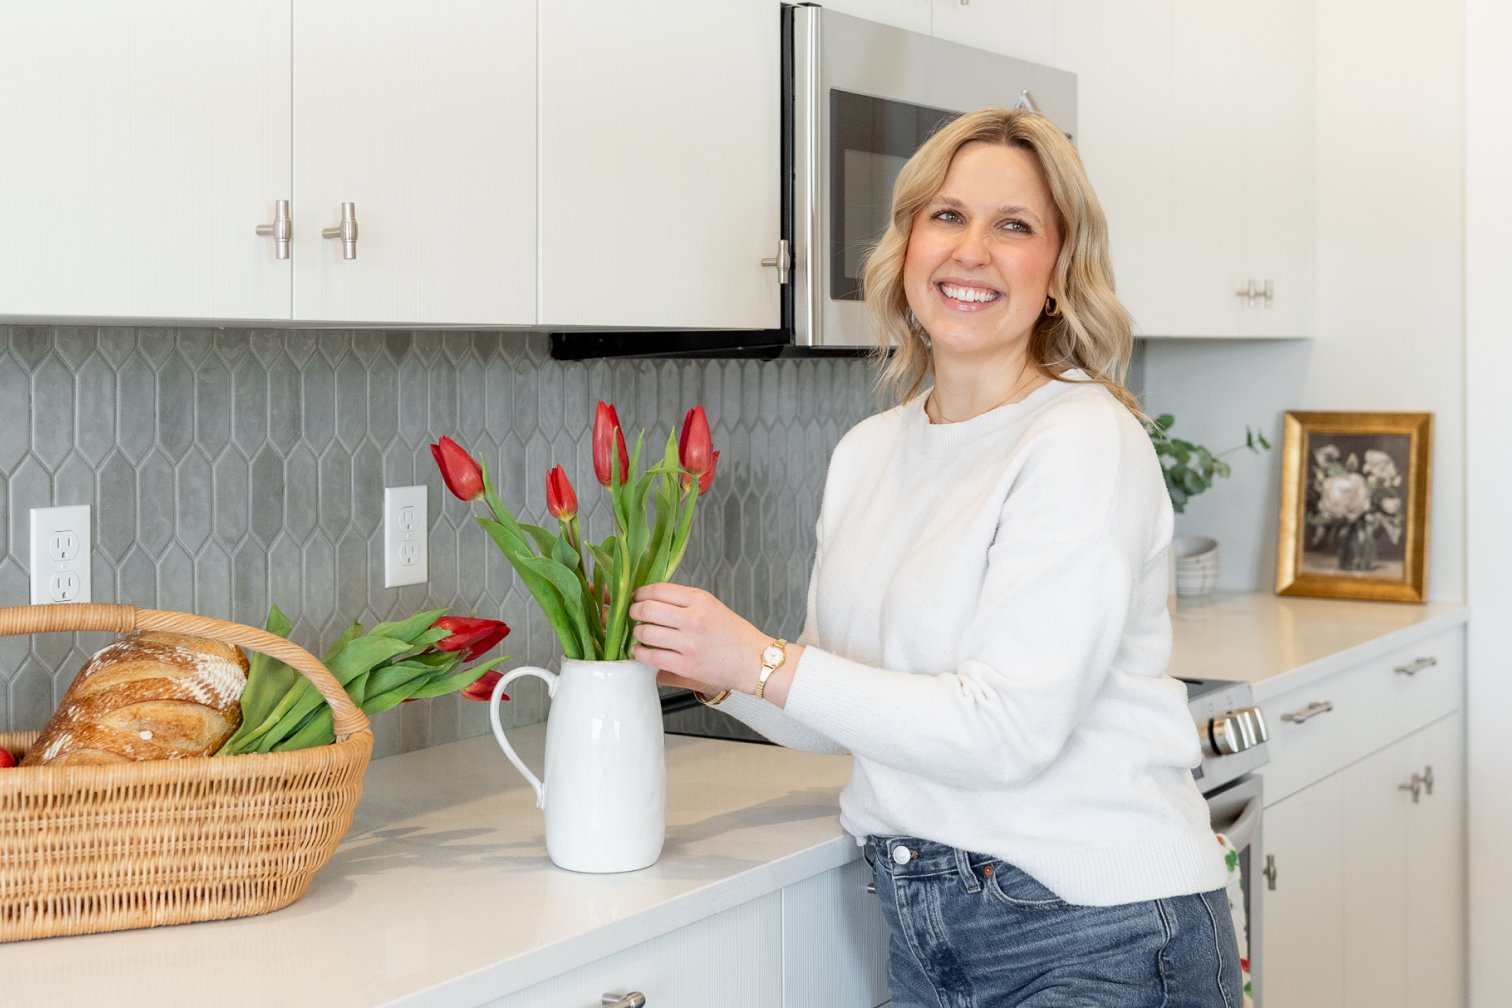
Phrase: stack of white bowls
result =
(1196, 565)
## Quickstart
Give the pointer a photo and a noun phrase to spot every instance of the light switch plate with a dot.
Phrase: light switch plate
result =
(406, 529)
(60, 545)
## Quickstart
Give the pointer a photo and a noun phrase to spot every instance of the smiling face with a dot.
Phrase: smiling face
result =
(981, 252)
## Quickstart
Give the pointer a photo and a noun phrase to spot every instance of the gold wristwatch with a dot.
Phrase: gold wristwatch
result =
(772, 656)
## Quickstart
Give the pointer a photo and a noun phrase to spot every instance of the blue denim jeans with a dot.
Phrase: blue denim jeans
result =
(970, 931)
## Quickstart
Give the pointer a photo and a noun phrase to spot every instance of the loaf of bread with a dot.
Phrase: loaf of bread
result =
(150, 695)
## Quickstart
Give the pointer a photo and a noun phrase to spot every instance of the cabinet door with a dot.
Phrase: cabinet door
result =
(730, 960)
(1436, 869)
(144, 144)
(1277, 168)
(423, 115)
(1304, 914)
(1121, 55)
(834, 941)
(660, 164)
(1375, 812)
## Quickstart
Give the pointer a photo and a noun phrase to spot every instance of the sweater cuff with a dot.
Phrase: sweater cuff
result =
(825, 691)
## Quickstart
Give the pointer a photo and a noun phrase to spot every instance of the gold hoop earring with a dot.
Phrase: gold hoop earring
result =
(1051, 308)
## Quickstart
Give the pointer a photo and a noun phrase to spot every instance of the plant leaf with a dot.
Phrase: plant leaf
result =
(545, 541)
(408, 630)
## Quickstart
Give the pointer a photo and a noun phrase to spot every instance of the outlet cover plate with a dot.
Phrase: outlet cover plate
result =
(60, 544)
(406, 527)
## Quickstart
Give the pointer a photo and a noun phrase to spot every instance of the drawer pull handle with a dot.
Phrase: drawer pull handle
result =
(632, 1000)
(1312, 710)
(1415, 785)
(1269, 871)
(1415, 666)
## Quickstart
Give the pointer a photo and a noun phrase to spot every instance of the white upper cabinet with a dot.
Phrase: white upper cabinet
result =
(423, 117)
(660, 180)
(144, 143)
(1197, 132)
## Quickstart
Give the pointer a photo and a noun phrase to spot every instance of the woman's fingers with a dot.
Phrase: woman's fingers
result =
(666, 591)
(660, 613)
(655, 636)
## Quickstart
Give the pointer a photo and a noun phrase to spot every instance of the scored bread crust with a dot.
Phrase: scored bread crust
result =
(153, 694)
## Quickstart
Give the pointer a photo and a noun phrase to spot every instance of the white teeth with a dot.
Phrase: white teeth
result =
(968, 293)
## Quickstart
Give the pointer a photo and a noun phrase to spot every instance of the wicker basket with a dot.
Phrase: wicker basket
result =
(129, 845)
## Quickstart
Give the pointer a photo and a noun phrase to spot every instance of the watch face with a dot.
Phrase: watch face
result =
(772, 655)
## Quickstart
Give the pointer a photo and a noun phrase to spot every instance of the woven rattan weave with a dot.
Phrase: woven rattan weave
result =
(128, 845)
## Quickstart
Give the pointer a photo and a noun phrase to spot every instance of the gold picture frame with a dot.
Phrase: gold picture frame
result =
(1354, 506)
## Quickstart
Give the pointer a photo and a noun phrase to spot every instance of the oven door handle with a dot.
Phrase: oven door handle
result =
(1242, 832)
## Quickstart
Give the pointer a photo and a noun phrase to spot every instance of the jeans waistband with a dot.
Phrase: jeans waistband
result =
(920, 858)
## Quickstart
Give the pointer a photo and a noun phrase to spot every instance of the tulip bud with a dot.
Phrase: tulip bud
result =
(463, 476)
(607, 437)
(695, 447)
(7, 758)
(476, 636)
(707, 479)
(561, 500)
(482, 689)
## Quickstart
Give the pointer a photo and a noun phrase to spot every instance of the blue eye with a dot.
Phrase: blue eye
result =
(1019, 226)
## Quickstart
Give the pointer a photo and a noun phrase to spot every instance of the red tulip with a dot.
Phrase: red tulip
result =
(561, 501)
(483, 688)
(460, 470)
(606, 433)
(707, 479)
(7, 758)
(695, 448)
(475, 636)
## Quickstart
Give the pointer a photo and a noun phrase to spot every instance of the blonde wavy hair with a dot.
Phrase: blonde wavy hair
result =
(1092, 330)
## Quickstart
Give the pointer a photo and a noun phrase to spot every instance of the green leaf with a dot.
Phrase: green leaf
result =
(363, 654)
(570, 590)
(408, 630)
(603, 558)
(545, 541)
(450, 684)
(563, 553)
(268, 680)
(315, 731)
(351, 632)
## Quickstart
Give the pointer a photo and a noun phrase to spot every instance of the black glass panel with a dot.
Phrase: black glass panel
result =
(870, 141)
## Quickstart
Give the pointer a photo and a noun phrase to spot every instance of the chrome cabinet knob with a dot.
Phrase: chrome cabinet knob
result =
(1415, 785)
(632, 1000)
(281, 230)
(1428, 779)
(782, 261)
(1269, 871)
(346, 231)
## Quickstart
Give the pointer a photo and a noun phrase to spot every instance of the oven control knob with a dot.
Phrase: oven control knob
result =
(1236, 731)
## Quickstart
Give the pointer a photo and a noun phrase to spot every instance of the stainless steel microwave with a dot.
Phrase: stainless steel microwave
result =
(858, 99)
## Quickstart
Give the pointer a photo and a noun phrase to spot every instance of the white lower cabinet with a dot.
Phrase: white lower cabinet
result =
(820, 943)
(834, 942)
(1369, 895)
(730, 960)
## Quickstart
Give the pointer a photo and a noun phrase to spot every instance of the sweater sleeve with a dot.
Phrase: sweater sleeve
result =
(1037, 647)
(771, 720)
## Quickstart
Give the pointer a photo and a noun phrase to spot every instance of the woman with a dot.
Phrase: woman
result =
(987, 631)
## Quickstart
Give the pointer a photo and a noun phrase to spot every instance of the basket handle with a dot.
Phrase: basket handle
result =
(346, 718)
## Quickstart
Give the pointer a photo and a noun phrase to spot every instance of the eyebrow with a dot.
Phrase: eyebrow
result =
(956, 204)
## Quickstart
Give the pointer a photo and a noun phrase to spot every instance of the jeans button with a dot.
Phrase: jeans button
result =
(902, 854)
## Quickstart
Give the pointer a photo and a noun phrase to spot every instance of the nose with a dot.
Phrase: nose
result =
(971, 250)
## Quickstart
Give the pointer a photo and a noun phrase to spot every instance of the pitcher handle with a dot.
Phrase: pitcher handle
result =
(498, 729)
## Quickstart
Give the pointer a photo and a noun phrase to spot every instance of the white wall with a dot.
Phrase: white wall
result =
(1390, 234)
(1488, 362)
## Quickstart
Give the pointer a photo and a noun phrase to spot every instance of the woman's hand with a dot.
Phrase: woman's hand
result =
(696, 638)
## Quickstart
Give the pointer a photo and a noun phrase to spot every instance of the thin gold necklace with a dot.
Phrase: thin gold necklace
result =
(1017, 389)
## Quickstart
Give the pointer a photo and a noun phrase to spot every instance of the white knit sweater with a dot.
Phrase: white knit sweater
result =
(987, 635)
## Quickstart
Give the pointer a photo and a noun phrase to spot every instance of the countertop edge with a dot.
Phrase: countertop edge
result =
(1305, 675)
(515, 974)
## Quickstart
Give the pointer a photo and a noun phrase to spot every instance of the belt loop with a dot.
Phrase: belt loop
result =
(963, 865)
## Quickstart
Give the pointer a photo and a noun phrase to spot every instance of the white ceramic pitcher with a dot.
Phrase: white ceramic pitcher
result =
(605, 794)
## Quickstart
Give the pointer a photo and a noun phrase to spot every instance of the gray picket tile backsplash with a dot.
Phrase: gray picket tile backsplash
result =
(231, 468)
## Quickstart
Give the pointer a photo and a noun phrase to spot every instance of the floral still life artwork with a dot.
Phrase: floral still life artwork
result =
(1355, 505)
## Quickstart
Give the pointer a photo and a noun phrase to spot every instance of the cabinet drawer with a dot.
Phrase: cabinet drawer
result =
(733, 960)
(1373, 705)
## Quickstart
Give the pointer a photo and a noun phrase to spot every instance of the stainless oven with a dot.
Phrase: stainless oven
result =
(864, 97)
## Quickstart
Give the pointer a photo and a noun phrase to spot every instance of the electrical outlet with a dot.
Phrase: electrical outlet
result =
(60, 538)
(405, 526)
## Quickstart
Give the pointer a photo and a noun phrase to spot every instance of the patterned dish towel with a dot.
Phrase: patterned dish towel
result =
(1236, 908)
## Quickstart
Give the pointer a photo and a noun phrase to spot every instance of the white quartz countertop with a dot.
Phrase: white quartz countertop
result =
(1280, 643)
(442, 893)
